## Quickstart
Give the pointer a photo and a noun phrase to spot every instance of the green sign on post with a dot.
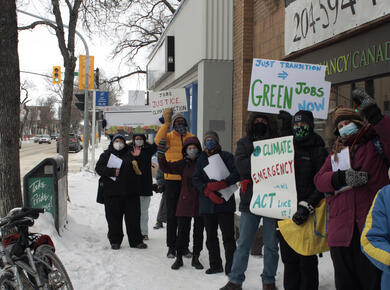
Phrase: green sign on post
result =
(41, 194)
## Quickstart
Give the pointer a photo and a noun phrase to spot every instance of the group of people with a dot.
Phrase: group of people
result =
(190, 194)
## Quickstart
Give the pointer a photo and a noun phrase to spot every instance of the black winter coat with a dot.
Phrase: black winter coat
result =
(144, 161)
(309, 157)
(126, 184)
(200, 179)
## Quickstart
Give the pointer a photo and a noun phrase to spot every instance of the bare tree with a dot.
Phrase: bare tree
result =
(67, 48)
(10, 193)
(133, 26)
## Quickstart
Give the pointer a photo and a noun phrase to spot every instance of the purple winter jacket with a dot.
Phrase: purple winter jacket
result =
(351, 207)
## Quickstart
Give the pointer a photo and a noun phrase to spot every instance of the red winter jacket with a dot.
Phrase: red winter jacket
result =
(351, 207)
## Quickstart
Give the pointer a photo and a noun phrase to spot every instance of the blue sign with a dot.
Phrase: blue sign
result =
(101, 98)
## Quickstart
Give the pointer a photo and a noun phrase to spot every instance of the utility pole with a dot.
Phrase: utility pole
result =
(85, 148)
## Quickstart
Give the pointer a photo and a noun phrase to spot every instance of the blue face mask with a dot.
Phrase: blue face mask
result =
(210, 144)
(348, 130)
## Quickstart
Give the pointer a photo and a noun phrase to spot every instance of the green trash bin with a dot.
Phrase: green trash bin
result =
(45, 186)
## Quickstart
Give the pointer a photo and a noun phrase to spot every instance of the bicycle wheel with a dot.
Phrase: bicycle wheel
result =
(50, 269)
(7, 281)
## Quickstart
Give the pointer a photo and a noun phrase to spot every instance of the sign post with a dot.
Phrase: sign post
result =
(289, 86)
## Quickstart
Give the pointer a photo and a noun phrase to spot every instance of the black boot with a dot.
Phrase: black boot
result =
(178, 263)
(195, 262)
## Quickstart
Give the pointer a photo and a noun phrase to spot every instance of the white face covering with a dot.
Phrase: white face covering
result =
(118, 146)
(139, 143)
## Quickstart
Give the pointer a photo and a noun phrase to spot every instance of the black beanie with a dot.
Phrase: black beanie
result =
(305, 117)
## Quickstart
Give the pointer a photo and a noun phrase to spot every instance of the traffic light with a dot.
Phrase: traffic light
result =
(81, 101)
(56, 75)
(82, 72)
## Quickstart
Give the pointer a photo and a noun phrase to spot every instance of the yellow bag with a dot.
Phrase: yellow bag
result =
(311, 238)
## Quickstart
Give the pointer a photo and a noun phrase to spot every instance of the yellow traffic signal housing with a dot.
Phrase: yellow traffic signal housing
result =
(82, 72)
(56, 75)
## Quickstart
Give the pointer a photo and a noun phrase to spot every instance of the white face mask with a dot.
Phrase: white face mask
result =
(139, 143)
(118, 146)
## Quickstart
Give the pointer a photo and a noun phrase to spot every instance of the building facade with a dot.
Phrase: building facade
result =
(350, 37)
(195, 52)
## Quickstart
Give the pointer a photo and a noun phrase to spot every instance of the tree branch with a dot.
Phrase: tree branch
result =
(169, 6)
(34, 24)
(117, 79)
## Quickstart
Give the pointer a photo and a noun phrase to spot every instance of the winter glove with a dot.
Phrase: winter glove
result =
(349, 177)
(300, 217)
(161, 147)
(211, 195)
(216, 185)
(167, 115)
(244, 184)
(367, 105)
(136, 168)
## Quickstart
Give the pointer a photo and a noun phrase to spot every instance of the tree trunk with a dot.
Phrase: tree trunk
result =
(10, 193)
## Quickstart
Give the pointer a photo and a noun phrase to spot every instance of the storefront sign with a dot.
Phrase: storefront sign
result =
(273, 177)
(308, 22)
(362, 56)
(175, 99)
(289, 86)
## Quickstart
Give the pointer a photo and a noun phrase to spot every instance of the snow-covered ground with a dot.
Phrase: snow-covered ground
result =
(85, 251)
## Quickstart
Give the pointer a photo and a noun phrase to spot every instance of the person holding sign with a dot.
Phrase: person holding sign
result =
(301, 272)
(174, 142)
(215, 210)
(120, 187)
(352, 190)
(259, 126)
(188, 204)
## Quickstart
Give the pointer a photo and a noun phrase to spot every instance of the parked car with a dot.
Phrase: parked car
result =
(36, 138)
(74, 143)
(44, 139)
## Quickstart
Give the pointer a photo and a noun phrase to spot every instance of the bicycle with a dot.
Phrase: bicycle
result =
(27, 260)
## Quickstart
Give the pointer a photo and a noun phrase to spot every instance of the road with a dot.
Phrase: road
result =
(33, 153)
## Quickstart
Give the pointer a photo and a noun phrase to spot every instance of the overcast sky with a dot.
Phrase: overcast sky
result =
(39, 52)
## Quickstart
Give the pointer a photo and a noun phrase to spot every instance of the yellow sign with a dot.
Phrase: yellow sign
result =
(82, 72)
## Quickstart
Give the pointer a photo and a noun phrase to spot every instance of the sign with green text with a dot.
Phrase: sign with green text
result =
(289, 86)
(41, 193)
(273, 177)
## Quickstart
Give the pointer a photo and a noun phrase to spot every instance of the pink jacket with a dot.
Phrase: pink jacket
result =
(351, 207)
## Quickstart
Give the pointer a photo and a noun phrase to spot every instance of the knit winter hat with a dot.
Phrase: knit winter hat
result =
(116, 136)
(305, 117)
(211, 135)
(342, 114)
(176, 116)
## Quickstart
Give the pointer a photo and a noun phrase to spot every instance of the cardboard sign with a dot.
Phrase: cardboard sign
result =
(175, 99)
(273, 177)
(289, 86)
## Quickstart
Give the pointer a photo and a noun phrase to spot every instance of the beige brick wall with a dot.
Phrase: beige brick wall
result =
(258, 33)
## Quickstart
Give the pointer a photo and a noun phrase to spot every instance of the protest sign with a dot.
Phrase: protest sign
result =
(175, 99)
(273, 177)
(289, 86)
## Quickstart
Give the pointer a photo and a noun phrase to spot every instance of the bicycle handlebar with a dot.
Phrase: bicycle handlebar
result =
(25, 211)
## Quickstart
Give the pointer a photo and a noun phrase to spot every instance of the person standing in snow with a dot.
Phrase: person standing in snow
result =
(301, 272)
(215, 210)
(258, 127)
(120, 194)
(188, 204)
(144, 160)
(352, 191)
(174, 142)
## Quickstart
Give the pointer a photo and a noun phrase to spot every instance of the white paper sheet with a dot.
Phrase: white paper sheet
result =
(343, 163)
(114, 162)
(217, 170)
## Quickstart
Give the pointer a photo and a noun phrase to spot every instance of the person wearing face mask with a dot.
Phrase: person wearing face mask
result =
(259, 126)
(120, 194)
(215, 210)
(301, 272)
(174, 141)
(144, 160)
(351, 192)
(188, 204)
